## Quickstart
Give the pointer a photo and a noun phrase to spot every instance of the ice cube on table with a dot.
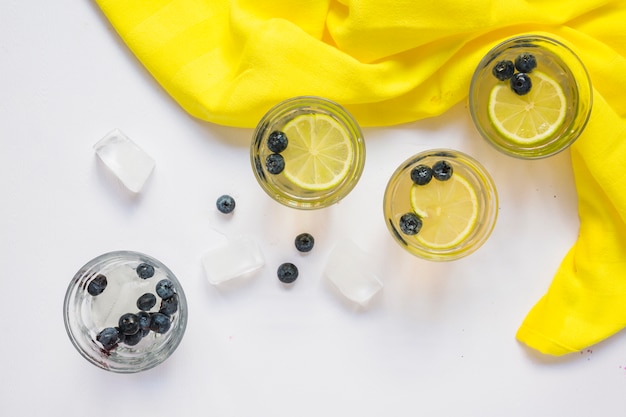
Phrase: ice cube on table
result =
(347, 268)
(128, 162)
(235, 259)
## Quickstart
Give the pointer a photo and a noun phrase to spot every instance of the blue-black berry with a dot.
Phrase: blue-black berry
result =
(277, 141)
(410, 224)
(275, 163)
(525, 62)
(129, 323)
(144, 322)
(421, 174)
(442, 170)
(165, 288)
(287, 273)
(108, 338)
(521, 83)
(145, 271)
(169, 305)
(146, 301)
(133, 339)
(304, 242)
(160, 323)
(97, 285)
(225, 204)
(503, 70)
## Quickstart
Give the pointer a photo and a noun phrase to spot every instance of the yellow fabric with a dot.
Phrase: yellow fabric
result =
(390, 62)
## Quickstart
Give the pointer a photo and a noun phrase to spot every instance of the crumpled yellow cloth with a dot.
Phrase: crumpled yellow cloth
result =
(391, 62)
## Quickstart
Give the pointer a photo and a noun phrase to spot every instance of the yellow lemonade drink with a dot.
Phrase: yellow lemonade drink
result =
(307, 152)
(530, 97)
(440, 205)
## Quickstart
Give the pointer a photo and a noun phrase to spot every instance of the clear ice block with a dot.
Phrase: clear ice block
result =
(349, 271)
(128, 162)
(235, 259)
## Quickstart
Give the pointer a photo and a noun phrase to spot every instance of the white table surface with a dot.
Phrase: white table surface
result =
(439, 340)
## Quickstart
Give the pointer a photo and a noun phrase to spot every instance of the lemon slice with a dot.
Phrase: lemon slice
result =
(319, 153)
(448, 209)
(529, 118)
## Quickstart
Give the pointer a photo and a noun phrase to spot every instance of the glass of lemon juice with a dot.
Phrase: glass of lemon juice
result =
(307, 152)
(440, 205)
(530, 97)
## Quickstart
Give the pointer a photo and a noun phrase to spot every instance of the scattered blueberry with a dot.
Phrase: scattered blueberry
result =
(304, 242)
(521, 84)
(146, 301)
(287, 273)
(277, 141)
(225, 204)
(503, 70)
(129, 324)
(159, 323)
(275, 163)
(165, 288)
(169, 305)
(144, 322)
(410, 224)
(108, 338)
(145, 271)
(442, 170)
(525, 62)
(97, 285)
(421, 174)
(133, 339)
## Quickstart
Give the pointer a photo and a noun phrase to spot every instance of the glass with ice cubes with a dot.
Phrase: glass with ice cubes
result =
(125, 312)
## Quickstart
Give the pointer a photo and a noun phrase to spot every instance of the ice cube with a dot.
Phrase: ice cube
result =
(235, 259)
(125, 159)
(349, 271)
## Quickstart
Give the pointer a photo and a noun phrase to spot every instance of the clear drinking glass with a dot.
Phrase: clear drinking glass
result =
(537, 121)
(307, 152)
(440, 205)
(125, 312)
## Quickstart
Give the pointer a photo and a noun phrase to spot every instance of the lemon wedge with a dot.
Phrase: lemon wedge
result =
(449, 211)
(530, 118)
(320, 152)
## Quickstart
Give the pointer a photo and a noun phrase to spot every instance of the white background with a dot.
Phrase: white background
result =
(438, 341)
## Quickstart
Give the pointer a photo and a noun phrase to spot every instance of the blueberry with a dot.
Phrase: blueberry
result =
(525, 62)
(145, 271)
(129, 323)
(442, 170)
(287, 273)
(275, 163)
(121, 336)
(277, 141)
(410, 224)
(97, 285)
(304, 242)
(225, 204)
(146, 301)
(503, 70)
(133, 339)
(108, 338)
(521, 84)
(421, 174)
(159, 323)
(165, 288)
(144, 322)
(169, 305)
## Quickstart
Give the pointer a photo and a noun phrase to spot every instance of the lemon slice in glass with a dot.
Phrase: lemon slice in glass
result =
(529, 118)
(319, 154)
(449, 210)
